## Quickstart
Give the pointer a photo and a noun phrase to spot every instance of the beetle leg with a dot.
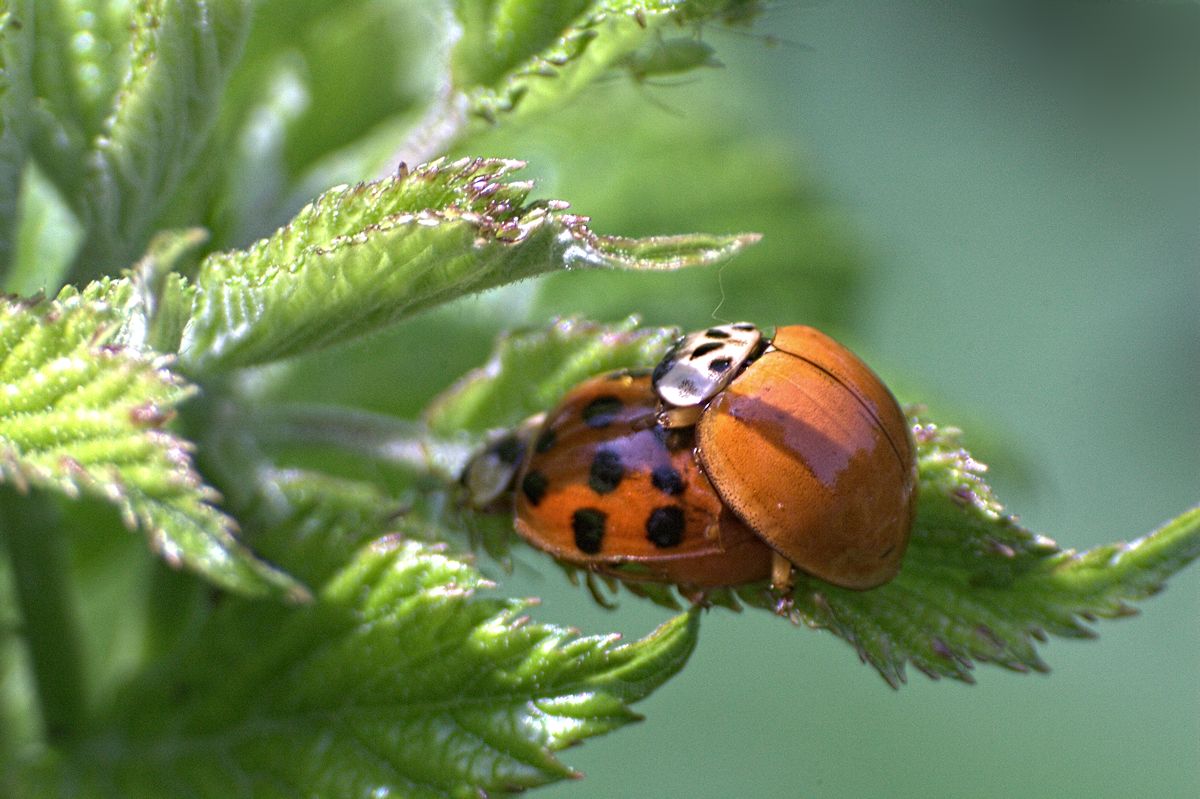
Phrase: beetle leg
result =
(594, 589)
(672, 418)
(782, 572)
(697, 596)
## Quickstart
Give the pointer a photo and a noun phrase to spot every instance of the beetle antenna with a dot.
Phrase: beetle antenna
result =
(721, 287)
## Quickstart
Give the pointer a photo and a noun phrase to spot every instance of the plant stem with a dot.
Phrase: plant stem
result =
(387, 439)
(38, 554)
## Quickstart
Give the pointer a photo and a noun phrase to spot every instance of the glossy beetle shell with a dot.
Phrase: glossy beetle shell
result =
(606, 488)
(810, 449)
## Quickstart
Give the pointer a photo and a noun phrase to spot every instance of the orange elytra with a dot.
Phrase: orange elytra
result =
(803, 442)
(606, 488)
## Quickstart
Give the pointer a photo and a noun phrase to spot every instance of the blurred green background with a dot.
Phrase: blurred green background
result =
(996, 204)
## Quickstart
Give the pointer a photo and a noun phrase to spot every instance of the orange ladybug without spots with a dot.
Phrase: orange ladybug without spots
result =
(606, 488)
(802, 442)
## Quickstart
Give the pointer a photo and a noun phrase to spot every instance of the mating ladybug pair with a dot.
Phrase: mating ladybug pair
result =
(736, 460)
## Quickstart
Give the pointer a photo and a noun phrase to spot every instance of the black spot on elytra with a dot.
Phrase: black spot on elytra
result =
(705, 349)
(508, 449)
(601, 411)
(664, 528)
(606, 472)
(534, 486)
(720, 365)
(667, 480)
(588, 525)
(545, 441)
(716, 332)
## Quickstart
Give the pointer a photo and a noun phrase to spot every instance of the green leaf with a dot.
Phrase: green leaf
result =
(533, 54)
(363, 256)
(82, 50)
(18, 697)
(299, 116)
(84, 415)
(976, 586)
(156, 299)
(47, 237)
(315, 523)
(530, 369)
(42, 99)
(400, 680)
(808, 256)
(16, 97)
(182, 54)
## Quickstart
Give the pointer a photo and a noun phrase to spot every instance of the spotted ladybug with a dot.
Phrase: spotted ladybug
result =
(489, 476)
(802, 442)
(605, 487)
(736, 460)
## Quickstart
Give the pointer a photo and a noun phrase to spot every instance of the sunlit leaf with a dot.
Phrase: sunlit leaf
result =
(82, 415)
(363, 256)
(401, 679)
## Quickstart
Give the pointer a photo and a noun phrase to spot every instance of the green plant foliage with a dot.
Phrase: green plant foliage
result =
(81, 415)
(120, 120)
(810, 257)
(262, 265)
(527, 56)
(319, 521)
(181, 57)
(400, 679)
(326, 93)
(364, 256)
(15, 93)
(975, 585)
(530, 370)
(47, 237)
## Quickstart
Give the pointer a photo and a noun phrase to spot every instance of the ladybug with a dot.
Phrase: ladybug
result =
(736, 460)
(803, 443)
(608, 488)
(489, 476)
(598, 483)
